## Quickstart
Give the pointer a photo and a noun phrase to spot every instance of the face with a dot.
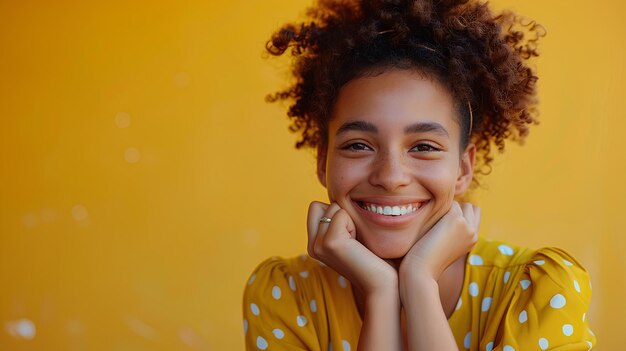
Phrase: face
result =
(393, 160)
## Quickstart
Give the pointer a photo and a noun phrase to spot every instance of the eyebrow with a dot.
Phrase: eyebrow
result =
(419, 127)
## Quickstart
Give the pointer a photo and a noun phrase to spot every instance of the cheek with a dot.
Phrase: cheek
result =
(341, 178)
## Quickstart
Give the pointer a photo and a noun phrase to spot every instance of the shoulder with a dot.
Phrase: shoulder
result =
(544, 295)
(285, 302)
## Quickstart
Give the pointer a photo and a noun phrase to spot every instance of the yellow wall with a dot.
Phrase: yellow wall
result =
(143, 177)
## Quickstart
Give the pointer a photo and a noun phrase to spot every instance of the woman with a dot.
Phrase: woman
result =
(402, 100)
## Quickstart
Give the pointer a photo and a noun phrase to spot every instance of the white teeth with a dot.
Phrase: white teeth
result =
(390, 210)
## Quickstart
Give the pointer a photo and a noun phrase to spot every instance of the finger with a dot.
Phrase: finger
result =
(341, 223)
(329, 213)
(316, 211)
(468, 214)
(477, 214)
(455, 208)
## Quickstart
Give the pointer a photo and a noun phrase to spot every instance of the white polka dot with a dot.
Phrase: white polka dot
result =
(346, 345)
(486, 304)
(523, 316)
(473, 289)
(508, 348)
(313, 305)
(279, 334)
(576, 286)
(568, 263)
(251, 279)
(489, 346)
(292, 283)
(301, 320)
(557, 301)
(276, 293)
(255, 309)
(543, 343)
(539, 262)
(304, 274)
(505, 250)
(342, 281)
(475, 260)
(525, 284)
(458, 304)
(506, 277)
(568, 329)
(245, 326)
(467, 342)
(261, 343)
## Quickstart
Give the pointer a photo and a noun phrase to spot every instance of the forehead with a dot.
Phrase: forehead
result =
(393, 100)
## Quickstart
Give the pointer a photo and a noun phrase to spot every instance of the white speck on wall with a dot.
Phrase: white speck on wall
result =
(75, 327)
(132, 155)
(48, 215)
(30, 220)
(79, 213)
(250, 237)
(22, 328)
(190, 338)
(122, 120)
(141, 328)
(181, 79)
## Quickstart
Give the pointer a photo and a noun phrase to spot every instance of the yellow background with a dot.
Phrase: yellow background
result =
(143, 176)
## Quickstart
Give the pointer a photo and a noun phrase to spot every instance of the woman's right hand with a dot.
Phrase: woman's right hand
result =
(336, 245)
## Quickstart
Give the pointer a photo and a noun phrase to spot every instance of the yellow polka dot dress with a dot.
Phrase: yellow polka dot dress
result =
(513, 299)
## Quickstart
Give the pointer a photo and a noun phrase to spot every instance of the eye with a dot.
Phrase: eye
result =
(356, 147)
(424, 148)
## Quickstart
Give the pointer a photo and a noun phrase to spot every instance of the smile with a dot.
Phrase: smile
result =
(386, 210)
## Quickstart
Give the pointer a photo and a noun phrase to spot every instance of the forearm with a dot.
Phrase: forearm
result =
(426, 322)
(381, 322)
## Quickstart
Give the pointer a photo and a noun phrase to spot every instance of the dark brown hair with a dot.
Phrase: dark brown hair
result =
(481, 58)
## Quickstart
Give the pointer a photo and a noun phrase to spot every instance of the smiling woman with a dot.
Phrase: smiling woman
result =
(403, 101)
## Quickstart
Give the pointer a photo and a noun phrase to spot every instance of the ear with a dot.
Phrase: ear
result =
(466, 169)
(321, 165)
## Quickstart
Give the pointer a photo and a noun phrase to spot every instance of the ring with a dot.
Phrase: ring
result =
(325, 220)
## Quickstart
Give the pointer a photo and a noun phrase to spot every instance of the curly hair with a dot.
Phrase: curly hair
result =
(481, 58)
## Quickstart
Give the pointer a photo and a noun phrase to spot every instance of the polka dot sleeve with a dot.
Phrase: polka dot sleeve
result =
(548, 306)
(275, 316)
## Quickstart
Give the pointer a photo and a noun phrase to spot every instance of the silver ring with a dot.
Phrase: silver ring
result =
(325, 220)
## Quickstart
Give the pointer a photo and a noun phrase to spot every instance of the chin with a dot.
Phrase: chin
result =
(388, 249)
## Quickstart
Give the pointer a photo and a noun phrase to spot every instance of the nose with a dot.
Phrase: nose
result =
(390, 171)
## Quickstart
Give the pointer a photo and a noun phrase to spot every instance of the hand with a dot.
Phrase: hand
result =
(454, 235)
(335, 245)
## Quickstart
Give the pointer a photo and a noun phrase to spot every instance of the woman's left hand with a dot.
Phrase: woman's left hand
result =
(454, 235)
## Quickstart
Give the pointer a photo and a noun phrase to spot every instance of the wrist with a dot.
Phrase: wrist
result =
(383, 298)
(417, 284)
